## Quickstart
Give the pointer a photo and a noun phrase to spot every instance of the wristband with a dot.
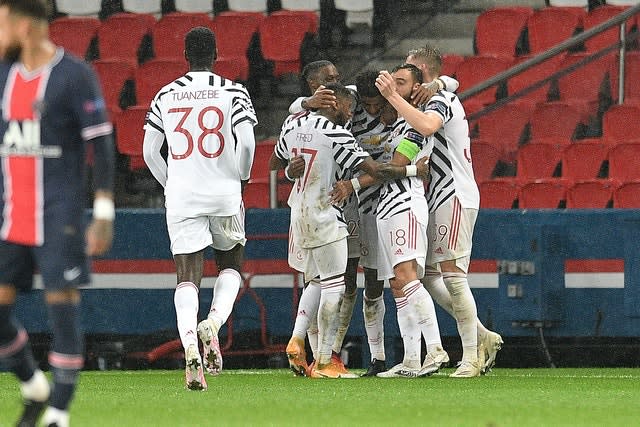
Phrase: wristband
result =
(411, 170)
(355, 184)
(286, 174)
(103, 208)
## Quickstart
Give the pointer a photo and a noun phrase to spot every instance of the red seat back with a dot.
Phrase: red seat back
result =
(583, 159)
(74, 34)
(542, 194)
(168, 33)
(151, 76)
(498, 194)
(131, 27)
(591, 194)
(499, 29)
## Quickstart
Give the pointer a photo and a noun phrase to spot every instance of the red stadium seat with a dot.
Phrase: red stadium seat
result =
(309, 16)
(263, 152)
(234, 32)
(624, 162)
(498, 194)
(168, 33)
(583, 159)
(74, 34)
(591, 194)
(631, 72)
(532, 76)
(609, 37)
(627, 195)
(485, 156)
(542, 194)
(450, 62)
(151, 76)
(589, 82)
(554, 119)
(284, 50)
(499, 29)
(476, 69)
(234, 68)
(504, 127)
(130, 134)
(256, 194)
(283, 46)
(113, 75)
(621, 123)
(132, 27)
(537, 161)
(552, 25)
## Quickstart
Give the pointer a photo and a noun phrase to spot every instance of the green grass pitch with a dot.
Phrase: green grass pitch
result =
(505, 397)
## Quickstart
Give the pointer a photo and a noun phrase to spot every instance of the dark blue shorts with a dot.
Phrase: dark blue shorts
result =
(61, 261)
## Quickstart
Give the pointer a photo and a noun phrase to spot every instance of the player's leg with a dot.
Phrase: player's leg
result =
(189, 237)
(228, 243)
(307, 313)
(346, 310)
(15, 350)
(373, 309)
(330, 263)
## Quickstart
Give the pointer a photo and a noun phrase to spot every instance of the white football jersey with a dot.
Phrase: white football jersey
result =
(198, 114)
(450, 162)
(403, 194)
(330, 154)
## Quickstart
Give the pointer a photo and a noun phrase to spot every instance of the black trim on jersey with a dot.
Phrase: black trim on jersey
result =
(188, 77)
(155, 126)
(161, 94)
(180, 83)
(212, 81)
(243, 119)
(372, 125)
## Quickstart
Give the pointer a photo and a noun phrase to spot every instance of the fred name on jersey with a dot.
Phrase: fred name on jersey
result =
(22, 138)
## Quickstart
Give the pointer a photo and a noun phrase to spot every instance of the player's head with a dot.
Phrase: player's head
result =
(18, 20)
(200, 48)
(407, 78)
(370, 97)
(428, 59)
(318, 73)
(341, 113)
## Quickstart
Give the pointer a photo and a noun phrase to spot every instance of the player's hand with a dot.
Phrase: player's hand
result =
(296, 166)
(321, 98)
(99, 237)
(422, 165)
(424, 92)
(340, 192)
(385, 84)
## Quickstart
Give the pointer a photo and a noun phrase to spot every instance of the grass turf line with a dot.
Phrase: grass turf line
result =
(506, 397)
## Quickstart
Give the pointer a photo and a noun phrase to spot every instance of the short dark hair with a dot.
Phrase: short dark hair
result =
(339, 90)
(200, 46)
(415, 71)
(366, 84)
(431, 57)
(36, 9)
(310, 71)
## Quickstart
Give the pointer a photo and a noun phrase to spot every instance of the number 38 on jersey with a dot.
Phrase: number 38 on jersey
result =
(200, 128)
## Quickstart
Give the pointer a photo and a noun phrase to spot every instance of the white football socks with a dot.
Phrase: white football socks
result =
(373, 311)
(225, 292)
(344, 319)
(330, 300)
(410, 333)
(466, 313)
(307, 309)
(425, 312)
(36, 388)
(185, 299)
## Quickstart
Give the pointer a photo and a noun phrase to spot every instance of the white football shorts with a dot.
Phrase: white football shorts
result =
(189, 235)
(324, 261)
(401, 238)
(450, 232)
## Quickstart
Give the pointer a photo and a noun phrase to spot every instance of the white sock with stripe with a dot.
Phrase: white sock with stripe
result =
(330, 300)
(185, 299)
(410, 333)
(225, 292)
(307, 309)
(420, 301)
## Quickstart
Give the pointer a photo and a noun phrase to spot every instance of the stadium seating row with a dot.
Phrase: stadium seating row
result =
(509, 31)
(554, 157)
(235, 32)
(514, 124)
(557, 193)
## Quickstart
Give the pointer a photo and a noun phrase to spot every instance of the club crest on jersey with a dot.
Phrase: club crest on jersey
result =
(22, 138)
